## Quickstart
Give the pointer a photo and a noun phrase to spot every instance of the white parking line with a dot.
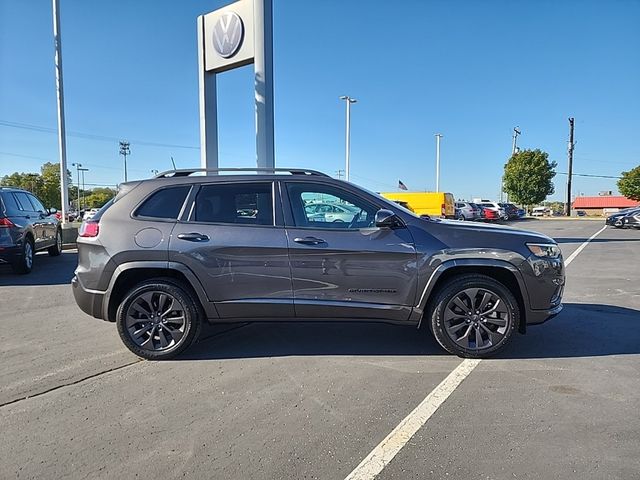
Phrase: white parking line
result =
(581, 247)
(388, 448)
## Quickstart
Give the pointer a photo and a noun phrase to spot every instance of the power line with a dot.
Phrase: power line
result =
(91, 136)
(588, 175)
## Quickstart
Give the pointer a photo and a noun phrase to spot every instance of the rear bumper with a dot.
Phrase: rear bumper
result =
(10, 254)
(89, 301)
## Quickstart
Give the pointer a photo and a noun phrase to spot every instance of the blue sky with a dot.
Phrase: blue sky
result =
(470, 70)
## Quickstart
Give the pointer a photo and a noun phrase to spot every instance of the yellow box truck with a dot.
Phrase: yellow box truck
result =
(434, 204)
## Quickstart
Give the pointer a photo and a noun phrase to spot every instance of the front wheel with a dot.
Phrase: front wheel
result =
(158, 319)
(474, 316)
(461, 217)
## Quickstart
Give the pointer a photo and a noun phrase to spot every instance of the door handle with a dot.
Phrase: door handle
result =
(309, 240)
(193, 237)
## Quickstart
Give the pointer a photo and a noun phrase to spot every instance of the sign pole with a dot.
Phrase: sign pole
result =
(207, 105)
(263, 68)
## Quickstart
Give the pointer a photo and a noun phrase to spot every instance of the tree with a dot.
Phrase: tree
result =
(629, 184)
(99, 196)
(44, 185)
(528, 177)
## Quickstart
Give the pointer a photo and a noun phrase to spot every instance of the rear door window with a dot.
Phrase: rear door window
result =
(235, 203)
(23, 202)
(165, 203)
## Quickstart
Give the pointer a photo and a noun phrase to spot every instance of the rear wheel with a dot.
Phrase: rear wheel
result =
(56, 249)
(24, 264)
(158, 319)
(474, 316)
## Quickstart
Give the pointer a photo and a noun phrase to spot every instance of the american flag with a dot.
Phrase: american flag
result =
(401, 185)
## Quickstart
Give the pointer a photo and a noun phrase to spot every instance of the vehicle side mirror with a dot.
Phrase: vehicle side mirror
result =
(387, 219)
(52, 211)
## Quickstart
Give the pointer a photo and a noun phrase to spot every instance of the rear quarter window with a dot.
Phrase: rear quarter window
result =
(9, 204)
(165, 203)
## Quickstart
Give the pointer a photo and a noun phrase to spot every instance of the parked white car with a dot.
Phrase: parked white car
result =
(330, 212)
(90, 213)
(539, 212)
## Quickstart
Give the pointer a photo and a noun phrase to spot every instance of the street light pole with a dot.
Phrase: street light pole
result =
(124, 151)
(83, 189)
(77, 165)
(348, 101)
(62, 141)
(438, 137)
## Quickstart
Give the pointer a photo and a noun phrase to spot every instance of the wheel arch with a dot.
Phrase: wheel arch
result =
(127, 275)
(501, 271)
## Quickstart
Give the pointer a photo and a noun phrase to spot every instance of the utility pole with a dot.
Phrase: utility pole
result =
(570, 147)
(124, 151)
(340, 174)
(348, 101)
(62, 142)
(514, 146)
(514, 150)
(77, 165)
(438, 137)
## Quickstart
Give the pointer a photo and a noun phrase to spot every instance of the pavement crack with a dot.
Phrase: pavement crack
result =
(69, 384)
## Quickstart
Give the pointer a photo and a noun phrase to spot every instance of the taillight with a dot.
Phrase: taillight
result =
(89, 229)
(5, 222)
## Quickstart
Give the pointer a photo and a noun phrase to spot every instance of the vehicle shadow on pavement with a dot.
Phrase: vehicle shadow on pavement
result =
(595, 240)
(46, 271)
(581, 330)
(281, 339)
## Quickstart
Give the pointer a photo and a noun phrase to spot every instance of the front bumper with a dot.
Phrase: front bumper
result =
(536, 317)
(89, 301)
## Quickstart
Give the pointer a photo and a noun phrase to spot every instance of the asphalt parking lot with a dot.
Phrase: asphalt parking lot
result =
(311, 401)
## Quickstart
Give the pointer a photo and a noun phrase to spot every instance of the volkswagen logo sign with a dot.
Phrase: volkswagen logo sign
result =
(227, 34)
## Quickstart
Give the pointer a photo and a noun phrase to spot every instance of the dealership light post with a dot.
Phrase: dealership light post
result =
(438, 137)
(77, 165)
(62, 142)
(124, 151)
(347, 152)
(83, 189)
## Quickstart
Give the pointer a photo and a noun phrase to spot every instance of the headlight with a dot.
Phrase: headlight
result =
(544, 250)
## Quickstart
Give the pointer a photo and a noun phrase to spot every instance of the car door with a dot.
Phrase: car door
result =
(234, 241)
(47, 224)
(348, 269)
(32, 218)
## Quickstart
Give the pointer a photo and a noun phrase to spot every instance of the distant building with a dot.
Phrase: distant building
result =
(603, 205)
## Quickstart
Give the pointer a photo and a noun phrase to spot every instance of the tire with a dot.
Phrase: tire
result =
(24, 264)
(461, 217)
(56, 249)
(456, 331)
(141, 311)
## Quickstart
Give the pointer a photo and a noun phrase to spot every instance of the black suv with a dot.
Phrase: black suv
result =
(172, 252)
(25, 228)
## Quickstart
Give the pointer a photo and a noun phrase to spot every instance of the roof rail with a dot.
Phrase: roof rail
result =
(185, 172)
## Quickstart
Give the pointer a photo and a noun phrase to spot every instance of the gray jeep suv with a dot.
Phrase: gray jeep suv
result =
(172, 252)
